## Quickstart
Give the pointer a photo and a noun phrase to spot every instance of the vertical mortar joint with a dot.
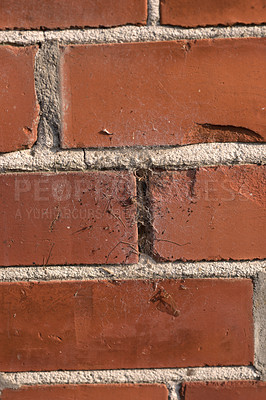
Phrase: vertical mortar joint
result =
(143, 212)
(153, 12)
(47, 90)
(259, 313)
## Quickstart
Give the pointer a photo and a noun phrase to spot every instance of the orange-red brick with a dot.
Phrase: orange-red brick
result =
(212, 12)
(68, 218)
(28, 14)
(214, 213)
(85, 392)
(19, 109)
(235, 390)
(125, 324)
(163, 93)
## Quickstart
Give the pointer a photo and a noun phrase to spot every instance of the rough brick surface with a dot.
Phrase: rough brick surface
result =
(125, 324)
(68, 218)
(209, 214)
(51, 14)
(248, 390)
(212, 12)
(163, 93)
(18, 103)
(85, 392)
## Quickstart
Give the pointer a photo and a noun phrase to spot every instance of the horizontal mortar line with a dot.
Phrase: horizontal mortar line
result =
(145, 269)
(196, 155)
(21, 37)
(164, 375)
(152, 33)
(183, 157)
(131, 33)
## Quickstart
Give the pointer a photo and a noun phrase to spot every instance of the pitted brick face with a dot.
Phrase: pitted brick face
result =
(214, 213)
(68, 218)
(52, 14)
(238, 390)
(163, 93)
(85, 392)
(19, 110)
(95, 325)
(192, 13)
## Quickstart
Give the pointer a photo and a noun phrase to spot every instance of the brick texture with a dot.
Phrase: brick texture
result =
(212, 12)
(125, 324)
(68, 218)
(51, 14)
(18, 104)
(163, 93)
(209, 214)
(85, 392)
(237, 390)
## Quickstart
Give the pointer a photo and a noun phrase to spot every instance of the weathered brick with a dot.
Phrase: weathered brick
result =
(85, 392)
(212, 12)
(19, 109)
(163, 93)
(214, 213)
(235, 390)
(68, 218)
(52, 14)
(78, 325)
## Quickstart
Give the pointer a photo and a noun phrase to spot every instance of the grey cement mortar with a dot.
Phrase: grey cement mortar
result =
(151, 33)
(165, 375)
(145, 269)
(260, 323)
(47, 89)
(41, 158)
(21, 37)
(130, 34)
(173, 390)
(177, 157)
(153, 12)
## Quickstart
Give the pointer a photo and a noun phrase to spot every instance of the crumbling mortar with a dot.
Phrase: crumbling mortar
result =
(173, 389)
(171, 377)
(6, 384)
(145, 269)
(126, 34)
(41, 158)
(19, 38)
(47, 90)
(153, 12)
(259, 315)
(130, 33)
(144, 216)
(177, 157)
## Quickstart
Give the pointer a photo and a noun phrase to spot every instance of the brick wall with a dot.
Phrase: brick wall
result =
(132, 218)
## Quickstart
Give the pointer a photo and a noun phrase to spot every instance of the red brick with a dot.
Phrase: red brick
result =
(85, 392)
(19, 109)
(212, 12)
(125, 324)
(163, 93)
(235, 390)
(68, 218)
(51, 14)
(209, 214)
